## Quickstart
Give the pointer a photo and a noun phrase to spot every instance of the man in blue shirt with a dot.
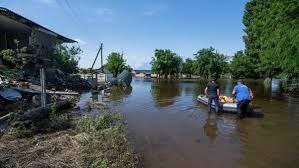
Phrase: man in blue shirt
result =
(243, 96)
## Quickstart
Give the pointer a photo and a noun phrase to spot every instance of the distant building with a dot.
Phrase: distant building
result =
(142, 73)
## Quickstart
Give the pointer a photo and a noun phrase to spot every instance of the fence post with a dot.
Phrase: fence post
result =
(43, 87)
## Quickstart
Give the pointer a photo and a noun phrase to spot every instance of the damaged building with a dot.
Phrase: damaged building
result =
(17, 32)
(33, 46)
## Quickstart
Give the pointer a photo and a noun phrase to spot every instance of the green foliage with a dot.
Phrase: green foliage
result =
(18, 129)
(9, 56)
(87, 71)
(2, 164)
(166, 62)
(10, 59)
(66, 58)
(58, 120)
(116, 63)
(208, 63)
(95, 124)
(8, 75)
(104, 143)
(272, 36)
(188, 67)
(242, 66)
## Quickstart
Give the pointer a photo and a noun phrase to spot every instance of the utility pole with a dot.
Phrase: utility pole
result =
(100, 49)
(102, 58)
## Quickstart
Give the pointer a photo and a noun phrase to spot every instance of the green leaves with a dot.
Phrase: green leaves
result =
(67, 58)
(165, 62)
(116, 63)
(208, 63)
(188, 67)
(272, 36)
(242, 66)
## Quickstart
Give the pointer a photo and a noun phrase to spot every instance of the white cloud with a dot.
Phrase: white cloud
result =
(104, 11)
(80, 41)
(150, 13)
(48, 2)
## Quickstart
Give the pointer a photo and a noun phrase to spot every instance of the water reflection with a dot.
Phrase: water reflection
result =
(166, 135)
(164, 92)
(119, 93)
(210, 127)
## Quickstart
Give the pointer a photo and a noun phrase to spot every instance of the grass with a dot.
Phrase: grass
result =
(105, 144)
(92, 142)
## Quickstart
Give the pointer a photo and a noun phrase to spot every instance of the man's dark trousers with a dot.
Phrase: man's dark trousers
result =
(242, 107)
(216, 100)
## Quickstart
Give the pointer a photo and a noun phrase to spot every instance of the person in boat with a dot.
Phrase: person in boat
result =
(243, 95)
(212, 92)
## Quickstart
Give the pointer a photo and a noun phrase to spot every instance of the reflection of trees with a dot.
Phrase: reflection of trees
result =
(210, 128)
(164, 92)
(117, 93)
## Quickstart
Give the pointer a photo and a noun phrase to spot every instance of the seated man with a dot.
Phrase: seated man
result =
(212, 91)
(243, 96)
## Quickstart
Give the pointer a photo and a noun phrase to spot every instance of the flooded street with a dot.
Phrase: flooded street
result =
(172, 130)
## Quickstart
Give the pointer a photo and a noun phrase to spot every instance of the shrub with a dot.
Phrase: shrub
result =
(58, 120)
(95, 124)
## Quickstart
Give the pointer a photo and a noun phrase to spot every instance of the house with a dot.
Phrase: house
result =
(142, 73)
(17, 32)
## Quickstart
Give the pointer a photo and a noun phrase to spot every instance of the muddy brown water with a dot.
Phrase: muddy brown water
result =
(170, 129)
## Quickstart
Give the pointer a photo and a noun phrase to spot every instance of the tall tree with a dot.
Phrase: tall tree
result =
(166, 63)
(188, 67)
(208, 63)
(242, 66)
(66, 58)
(272, 36)
(116, 63)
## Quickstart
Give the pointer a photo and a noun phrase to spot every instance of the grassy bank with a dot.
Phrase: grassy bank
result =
(96, 141)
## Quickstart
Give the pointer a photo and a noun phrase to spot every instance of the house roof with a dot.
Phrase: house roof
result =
(20, 19)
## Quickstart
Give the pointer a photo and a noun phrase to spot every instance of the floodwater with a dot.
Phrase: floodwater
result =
(170, 129)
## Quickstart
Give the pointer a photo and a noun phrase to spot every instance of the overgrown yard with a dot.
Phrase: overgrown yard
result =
(96, 141)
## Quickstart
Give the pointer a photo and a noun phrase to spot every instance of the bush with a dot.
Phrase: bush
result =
(2, 164)
(58, 120)
(93, 125)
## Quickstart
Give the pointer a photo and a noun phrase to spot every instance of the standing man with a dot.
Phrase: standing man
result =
(212, 92)
(243, 96)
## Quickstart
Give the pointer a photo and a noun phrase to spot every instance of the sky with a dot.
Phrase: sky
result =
(138, 27)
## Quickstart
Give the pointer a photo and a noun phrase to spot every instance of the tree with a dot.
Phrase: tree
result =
(67, 58)
(87, 71)
(116, 63)
(188, 67)
(166, 63)
(272, 36)
(242, 66)
(208, 63)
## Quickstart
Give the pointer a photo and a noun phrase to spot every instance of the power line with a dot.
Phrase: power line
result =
(67, 13)
(74, 13)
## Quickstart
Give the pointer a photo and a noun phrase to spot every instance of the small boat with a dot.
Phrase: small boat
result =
(225, 107)
(230, 107)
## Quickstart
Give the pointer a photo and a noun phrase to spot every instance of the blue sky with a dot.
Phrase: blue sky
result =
(138, 27)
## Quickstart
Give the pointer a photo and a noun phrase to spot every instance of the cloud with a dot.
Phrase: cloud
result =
(48, 3)
(150, 13)
(155, 10)
(80, 41)
(104, 11)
